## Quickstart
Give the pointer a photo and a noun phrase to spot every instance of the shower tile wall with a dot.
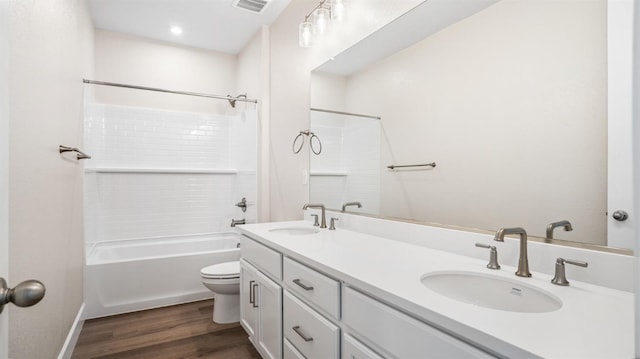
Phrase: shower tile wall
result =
(348, 169)
(140, 205)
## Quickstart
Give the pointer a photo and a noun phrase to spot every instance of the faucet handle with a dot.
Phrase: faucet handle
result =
(315, 221)
(493, 256)
(332, 224)
(560, 277)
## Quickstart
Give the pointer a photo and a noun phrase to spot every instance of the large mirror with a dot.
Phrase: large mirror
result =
(507, 99)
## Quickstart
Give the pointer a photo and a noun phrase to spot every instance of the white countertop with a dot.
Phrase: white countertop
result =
(594, 321)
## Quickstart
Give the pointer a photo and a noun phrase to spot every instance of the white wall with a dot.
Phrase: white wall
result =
(136, 61)
(501, 104)
(49, 53)
(252, 79)
(4, 168)
(636, 167)
(290, 80)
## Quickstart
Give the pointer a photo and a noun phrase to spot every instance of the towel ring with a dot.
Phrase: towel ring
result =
(309, 134)
(301, 143)
(313, 135)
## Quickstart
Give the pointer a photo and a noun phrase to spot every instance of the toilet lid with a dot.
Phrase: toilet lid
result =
(222, 270)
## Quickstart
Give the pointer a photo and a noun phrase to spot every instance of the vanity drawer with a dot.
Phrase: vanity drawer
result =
(290, 352)
(309, 332)
(313, 286)
(263, 257)
(396, 333)
(353, 349)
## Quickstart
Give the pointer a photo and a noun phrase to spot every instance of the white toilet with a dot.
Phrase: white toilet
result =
(224, 281)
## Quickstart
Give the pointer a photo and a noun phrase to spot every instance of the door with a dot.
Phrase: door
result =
(269, 317)
(248, 309)
(44, 50)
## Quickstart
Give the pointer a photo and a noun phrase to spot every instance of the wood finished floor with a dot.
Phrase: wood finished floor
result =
(181, 331)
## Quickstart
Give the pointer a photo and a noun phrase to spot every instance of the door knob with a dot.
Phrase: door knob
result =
(620, 215)
(24, 294)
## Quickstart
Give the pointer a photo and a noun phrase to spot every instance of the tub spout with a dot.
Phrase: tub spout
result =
(235, 222)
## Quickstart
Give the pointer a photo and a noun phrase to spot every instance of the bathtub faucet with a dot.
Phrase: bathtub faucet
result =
(235, 222)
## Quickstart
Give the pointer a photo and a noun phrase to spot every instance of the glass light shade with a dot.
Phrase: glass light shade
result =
(337, 10)
(320, 19)
(305, 34)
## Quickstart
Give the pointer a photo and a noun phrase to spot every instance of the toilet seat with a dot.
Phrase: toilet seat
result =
(226, 270)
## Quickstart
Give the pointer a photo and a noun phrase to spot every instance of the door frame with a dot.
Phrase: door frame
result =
(620, 122)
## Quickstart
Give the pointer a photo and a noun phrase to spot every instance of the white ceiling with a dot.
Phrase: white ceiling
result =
(210, 24)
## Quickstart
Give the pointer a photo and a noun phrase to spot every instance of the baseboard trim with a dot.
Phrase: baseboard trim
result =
(74, 334)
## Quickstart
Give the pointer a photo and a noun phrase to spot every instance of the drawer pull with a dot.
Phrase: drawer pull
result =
(301, 334)
(302, 285)
(255, 302)
(251, 298)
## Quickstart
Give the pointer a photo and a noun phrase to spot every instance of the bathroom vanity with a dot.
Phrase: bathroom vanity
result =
(314, 293)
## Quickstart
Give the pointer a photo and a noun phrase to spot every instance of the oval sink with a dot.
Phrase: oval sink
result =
(295, 231)
(491, 292)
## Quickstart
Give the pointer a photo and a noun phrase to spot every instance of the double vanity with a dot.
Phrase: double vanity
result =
(308, 292)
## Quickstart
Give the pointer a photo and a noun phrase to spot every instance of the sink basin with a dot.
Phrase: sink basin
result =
(295, 231)
(491, 292)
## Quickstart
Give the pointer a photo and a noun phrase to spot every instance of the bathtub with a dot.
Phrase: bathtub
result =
(129, 275)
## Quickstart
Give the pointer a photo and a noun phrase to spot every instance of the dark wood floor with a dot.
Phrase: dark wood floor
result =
(181, 331)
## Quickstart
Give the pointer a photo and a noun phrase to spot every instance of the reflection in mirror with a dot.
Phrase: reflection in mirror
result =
(510, 102)
(348, 169)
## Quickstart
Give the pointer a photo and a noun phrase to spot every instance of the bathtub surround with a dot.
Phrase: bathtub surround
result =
(348, 168)
(165, 173)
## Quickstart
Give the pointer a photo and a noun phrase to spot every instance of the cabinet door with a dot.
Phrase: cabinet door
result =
(269, 301)
(248, 308)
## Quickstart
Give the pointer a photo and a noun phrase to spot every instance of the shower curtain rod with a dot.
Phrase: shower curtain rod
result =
(229, 98)
(345, 113)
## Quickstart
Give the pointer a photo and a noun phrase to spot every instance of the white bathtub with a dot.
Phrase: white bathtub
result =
(129, 275)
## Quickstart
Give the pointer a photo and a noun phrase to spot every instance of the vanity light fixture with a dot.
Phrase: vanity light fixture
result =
(316, 22)
(176, 30)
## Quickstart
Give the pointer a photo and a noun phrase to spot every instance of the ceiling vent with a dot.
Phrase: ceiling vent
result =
(251, 5)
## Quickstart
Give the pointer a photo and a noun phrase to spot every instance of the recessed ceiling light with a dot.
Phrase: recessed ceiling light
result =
(176, 30)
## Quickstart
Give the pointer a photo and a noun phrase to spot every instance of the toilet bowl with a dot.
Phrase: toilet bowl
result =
(224, 281)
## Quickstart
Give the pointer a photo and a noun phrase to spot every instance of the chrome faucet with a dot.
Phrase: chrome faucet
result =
(523, 262)
(235, 222)
(344, 206)
(554, 225)
(323, 221)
